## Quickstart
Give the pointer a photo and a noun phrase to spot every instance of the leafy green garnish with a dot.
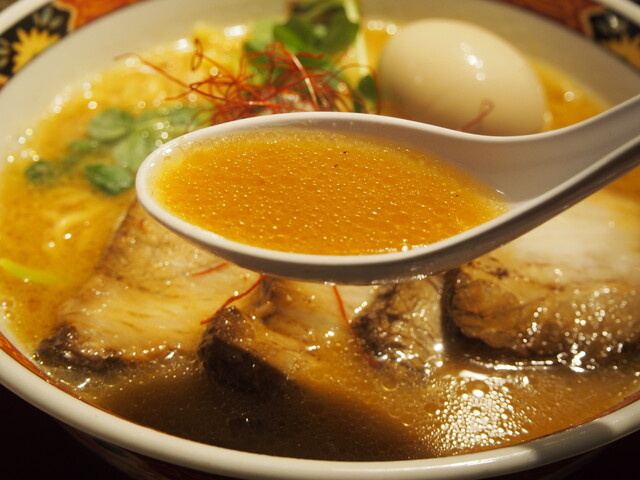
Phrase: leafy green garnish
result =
(261, 35)
(368, 88)
(315, 33)
(110, 124)
(131, 151)
(109, 179)
(320, 26)
(116, 144)
(84, 145)
(296, 35)
(44, 172)
(317, 26)
(47, 173)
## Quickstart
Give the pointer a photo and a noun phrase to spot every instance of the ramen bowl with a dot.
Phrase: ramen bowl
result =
(47, 46)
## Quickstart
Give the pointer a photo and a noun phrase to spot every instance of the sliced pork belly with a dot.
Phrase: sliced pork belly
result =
(149, 296)
(301, 336)
(570, 288)
(302, 333)
(283, 333)
(402, 327)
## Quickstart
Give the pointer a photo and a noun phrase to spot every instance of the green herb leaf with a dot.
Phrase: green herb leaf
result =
(116, 145)
(70, 161)
(321, 63)
(175, 121)
(297, 35)
(84, 145)
(339, 35)
(185, 119)
(109, 179)
(261, 35)
(368, 88)
(110, 125)
(324, 25)
(44, 173)
(131, 151)
(317, 26)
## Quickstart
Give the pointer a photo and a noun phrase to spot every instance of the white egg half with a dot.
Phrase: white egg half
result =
(461, 76)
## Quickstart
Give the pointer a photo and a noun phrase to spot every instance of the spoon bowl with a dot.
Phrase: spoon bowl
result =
(540, 175)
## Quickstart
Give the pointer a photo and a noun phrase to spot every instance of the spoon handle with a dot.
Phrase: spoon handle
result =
(612, 128)
(519, 221)
(604, 171)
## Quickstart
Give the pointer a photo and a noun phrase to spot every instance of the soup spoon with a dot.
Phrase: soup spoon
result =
(540, 175)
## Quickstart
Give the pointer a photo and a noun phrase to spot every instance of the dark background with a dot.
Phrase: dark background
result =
(34, 446)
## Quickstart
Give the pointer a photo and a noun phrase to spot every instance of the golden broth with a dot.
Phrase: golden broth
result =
(323, 193)
(465, 407)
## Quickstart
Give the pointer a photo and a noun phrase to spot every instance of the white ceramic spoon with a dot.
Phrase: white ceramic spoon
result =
(541, 175)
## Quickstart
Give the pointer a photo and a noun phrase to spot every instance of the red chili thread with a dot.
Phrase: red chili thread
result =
(342, 310)
(368, 357)
(272, 81)
(486, 107)
(233, 298)
(215, 268)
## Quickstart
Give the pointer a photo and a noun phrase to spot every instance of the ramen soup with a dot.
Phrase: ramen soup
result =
(535, 337)
(307, 191)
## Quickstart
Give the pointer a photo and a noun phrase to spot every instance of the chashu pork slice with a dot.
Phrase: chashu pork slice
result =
(570, 288)
(314, 335)
(292, 336)
(402, 327)
(149, 296)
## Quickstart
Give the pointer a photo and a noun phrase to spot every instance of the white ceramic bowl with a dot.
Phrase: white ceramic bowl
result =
(95, 32)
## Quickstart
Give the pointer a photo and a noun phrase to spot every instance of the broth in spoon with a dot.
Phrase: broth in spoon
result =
(320, 192)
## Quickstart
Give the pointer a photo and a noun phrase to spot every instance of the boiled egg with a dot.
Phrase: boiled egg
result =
(461, 76)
